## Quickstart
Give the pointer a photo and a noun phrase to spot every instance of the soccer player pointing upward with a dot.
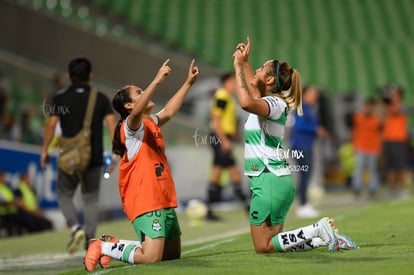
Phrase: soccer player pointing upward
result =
(268, 96)
(145, 182)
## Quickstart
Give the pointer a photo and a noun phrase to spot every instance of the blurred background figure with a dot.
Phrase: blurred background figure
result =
(4, 101)
(395, 138)
(304, 132)
(19, 209)
(8, 210)
(224, 128)
(57, 83)
(3, 106)
(28, 206)
(71, 107)
(366, 140)
(23, 130)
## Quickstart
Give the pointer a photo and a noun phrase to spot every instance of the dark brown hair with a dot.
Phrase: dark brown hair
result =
(121, 97)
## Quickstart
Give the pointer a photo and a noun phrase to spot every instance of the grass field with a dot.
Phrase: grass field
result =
(383, 230)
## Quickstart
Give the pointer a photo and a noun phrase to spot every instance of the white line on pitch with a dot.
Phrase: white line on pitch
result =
(207, 246)
(217, 236)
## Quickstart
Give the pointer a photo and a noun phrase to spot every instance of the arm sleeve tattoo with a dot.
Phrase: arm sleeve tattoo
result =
(244, 85)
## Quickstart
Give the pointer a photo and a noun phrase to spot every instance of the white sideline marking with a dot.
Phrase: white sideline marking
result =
(211, 245)
(196, 241)
(201, 248)
(217, 236)
(46, 258)
(104, 271)
(37, 259)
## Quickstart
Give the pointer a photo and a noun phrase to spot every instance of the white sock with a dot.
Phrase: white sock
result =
(284, 241)
(123, 250)
(73, 228)
(308, 245)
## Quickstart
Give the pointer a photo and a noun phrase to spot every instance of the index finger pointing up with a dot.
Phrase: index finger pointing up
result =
(166, 62)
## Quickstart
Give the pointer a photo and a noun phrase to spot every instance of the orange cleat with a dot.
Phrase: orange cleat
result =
(93, 255)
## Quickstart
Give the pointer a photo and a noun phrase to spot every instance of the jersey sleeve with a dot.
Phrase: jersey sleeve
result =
(129, 133)
(276, 106)
(155, 119)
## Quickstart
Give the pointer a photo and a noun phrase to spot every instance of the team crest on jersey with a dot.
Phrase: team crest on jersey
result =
(156, 225)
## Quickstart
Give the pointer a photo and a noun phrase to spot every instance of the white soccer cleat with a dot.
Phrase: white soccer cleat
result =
(344, 241)
(326, 232)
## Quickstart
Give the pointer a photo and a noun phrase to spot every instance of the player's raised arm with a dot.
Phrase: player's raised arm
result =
(174, 104)
(249, 73)
(138, 110)
(248, 95)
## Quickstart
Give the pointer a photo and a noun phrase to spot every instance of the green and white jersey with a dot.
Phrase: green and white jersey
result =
(263, 140)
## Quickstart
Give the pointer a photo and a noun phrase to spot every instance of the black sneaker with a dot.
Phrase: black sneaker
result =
(75, 239)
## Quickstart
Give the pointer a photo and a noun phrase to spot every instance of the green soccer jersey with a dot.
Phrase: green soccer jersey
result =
(263, 140)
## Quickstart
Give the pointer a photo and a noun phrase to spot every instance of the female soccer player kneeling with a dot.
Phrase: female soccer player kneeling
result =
(268, 95)
(145, 183)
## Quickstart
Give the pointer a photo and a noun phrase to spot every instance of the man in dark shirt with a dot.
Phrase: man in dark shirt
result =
(69, 107)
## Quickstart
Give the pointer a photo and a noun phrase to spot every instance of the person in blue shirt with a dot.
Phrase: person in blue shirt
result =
(304, 133)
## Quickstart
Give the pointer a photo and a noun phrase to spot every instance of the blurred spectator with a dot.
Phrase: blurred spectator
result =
(57, 85)
(3, 104)
(395, 138)
(304, 132)
(19, 212)
(4, 99)
(26, 201)
(6, 128)
(8, 209)
(224, 130)
(346, 154)
(366, 140)
(22, 130)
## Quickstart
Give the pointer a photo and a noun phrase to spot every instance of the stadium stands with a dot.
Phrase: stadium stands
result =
(340, 45)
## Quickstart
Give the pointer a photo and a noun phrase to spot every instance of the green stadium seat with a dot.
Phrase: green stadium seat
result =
(340, 44)
(105, 3)
(120, 7)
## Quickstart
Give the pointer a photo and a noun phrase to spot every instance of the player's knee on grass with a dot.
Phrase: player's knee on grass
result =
(172, 250)
(263, 248)
(143, 257)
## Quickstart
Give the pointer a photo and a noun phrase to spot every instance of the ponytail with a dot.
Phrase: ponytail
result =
(288, 85)
(120, 98)
(118, 148)
(294, 97)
